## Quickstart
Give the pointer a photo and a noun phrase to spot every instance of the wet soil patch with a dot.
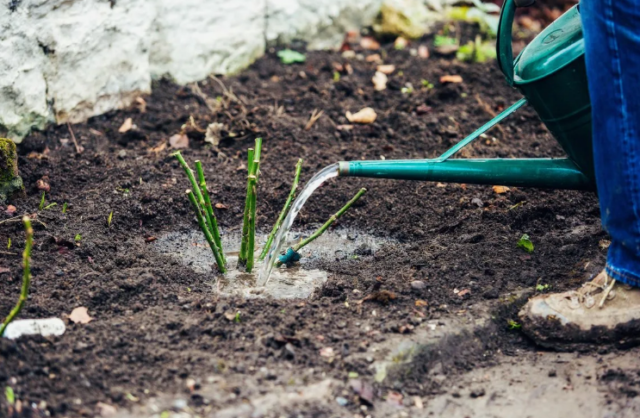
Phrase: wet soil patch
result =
(159, 322)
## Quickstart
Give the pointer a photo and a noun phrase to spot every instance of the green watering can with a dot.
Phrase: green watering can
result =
(550, 72)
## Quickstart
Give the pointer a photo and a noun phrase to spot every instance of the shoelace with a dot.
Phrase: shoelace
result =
(584, 294)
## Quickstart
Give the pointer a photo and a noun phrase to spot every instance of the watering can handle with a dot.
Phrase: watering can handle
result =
(503, 45)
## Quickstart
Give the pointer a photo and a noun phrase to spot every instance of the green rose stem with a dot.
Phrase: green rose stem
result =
(26, 275)
(326, 225)
(285, 209)
(248, 234)
(253, 189)
(242, 256)
(208, 208)
(205, 230)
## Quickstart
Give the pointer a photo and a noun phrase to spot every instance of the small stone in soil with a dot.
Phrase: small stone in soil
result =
(122, 154)
(179, 404)
(418, 285)
(342, 401)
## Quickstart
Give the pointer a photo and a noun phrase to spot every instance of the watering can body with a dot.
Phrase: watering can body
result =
(550, 72)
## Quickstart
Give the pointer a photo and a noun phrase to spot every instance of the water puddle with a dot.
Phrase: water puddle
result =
(191, 249)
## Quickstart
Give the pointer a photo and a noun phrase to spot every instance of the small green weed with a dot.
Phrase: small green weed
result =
(513, 325)
(8, 393)
(78, 238)
(525, 243)
(288, 56)
(41, 205)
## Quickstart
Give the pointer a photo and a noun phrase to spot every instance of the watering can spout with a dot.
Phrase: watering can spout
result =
(552, 173)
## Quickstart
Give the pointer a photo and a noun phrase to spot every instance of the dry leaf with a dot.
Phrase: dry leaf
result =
(141, 104)
(368, 42)
(213, 133)
(10, 210)
(220, 206)
(450, 79)
(500, 189)
(423, 51)
(373, 58)
(326, 352)
(379, 81)
(159, 148)
(420, 302)
(344, 127)
(386, 69)
(126, 126)
(80, 315)
(42, 184)
(366, 115)
(4, 270)
(441, 185)
(230, 315)
(179, 141)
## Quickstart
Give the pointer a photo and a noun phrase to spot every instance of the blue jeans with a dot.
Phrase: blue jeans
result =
(612, 42)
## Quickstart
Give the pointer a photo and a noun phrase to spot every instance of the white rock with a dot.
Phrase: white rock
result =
(195, 38)
(68, 60)
(322, 24)
(45, 327)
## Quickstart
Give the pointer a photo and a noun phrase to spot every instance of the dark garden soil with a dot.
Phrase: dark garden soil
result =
(157, 323)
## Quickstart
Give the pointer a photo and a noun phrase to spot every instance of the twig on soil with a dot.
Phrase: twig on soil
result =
(285, 210)
(26, 275)
(205, 230)
(211, 104)
(18, 219)
(292, 253)
(79, 149)
(212, 221)
(315, 115)
(7, 253)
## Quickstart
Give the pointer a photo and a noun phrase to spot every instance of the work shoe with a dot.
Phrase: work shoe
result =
(602, 311)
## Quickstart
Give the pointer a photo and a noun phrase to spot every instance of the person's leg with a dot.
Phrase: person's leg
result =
(612, 42)
(602, 311)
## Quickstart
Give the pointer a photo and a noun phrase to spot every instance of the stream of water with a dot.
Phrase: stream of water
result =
(315, 182)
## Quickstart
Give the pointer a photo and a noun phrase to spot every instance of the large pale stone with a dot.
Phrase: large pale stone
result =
(23, 89)
(195, 38)
(322, 24)
(97, 53)
(67, 60)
